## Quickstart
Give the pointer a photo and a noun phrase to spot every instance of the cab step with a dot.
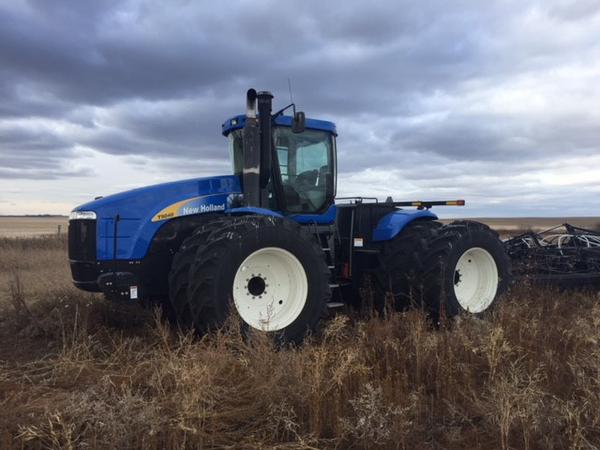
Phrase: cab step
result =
(336, 285)
(335, 304)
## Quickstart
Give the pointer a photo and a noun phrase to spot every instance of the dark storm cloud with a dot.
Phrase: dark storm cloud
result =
(157, 51)
(179, 124)
(27, 101)
(575, 10)
(96, 58)
(35, 154)
(43, 174)
(419, 84)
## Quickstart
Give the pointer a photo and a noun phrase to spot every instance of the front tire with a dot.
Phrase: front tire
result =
(269, 271)
(177, 309)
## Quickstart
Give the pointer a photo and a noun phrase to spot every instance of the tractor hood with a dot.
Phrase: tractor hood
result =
(133, 217)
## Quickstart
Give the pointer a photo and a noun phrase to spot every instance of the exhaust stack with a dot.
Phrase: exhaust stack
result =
(265, 101)
(252, 150)
(251, 104)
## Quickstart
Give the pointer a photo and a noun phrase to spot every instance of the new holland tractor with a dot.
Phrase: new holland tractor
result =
(272, 244)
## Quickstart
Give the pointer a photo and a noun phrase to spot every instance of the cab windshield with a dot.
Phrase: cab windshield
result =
(306, 165)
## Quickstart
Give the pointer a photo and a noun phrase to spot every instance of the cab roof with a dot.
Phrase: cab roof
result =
(237, 122)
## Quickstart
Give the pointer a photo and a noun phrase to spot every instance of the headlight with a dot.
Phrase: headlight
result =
(82, 215)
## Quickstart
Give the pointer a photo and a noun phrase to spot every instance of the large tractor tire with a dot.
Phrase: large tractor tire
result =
(460, 267)
(269, 271)
(465, 269)
(399, 260)
(177, 310)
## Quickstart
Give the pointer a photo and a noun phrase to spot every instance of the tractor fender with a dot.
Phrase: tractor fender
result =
(327, 218)
(252, 210)
(390, 225)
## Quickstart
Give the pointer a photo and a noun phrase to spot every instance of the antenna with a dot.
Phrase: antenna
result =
(290, 89)
(292, 104)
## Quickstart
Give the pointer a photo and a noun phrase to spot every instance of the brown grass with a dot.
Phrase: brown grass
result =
(77, 372)
(32, 226)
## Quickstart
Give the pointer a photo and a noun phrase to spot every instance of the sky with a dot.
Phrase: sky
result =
(496, 102)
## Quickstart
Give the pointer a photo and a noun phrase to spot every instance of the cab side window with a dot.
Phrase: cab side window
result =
(305, 165)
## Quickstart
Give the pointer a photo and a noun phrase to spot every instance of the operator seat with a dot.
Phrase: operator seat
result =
(307, 180)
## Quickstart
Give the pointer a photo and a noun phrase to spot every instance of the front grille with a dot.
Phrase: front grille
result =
(82, 240)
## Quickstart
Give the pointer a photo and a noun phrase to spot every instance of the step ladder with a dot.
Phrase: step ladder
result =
(330, 259)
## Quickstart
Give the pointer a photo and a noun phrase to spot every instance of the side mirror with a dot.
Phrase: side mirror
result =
(299, 122)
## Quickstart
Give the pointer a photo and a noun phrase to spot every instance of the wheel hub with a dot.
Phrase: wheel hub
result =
(457, 277)
(257, 285)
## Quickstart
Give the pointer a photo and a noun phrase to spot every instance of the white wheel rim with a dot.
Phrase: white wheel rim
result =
(270, 289)
(475, 280)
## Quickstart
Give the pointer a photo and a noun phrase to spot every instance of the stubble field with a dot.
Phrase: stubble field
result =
(79, 372)
(32, 226)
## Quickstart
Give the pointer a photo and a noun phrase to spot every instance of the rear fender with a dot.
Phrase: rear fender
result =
(390, 225)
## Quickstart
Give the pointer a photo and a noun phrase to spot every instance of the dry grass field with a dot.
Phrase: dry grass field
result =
(32, 226)
(79, 372)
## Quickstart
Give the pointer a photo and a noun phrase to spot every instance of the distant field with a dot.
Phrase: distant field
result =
(31, 226)
(538, 223)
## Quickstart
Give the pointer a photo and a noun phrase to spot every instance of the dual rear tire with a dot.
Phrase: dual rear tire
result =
(460, 267)
(268, 271)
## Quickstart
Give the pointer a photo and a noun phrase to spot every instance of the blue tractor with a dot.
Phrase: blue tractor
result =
(272, 244)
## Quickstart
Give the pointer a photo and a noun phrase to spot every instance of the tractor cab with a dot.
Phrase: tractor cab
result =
(286, 163)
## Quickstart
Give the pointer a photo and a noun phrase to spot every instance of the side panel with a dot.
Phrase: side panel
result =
(134, 236)
(393, 223)
(327, 218)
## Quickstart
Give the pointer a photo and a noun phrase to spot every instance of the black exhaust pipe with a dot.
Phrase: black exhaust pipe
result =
(251, 138)
(257, 148)
(265, 100)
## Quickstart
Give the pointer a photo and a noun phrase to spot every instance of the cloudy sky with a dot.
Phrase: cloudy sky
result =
(495, 102)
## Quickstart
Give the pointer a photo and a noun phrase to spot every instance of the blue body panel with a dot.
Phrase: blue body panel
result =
(138, 210)
(237, 122)
(393, 223)
(320, 219)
